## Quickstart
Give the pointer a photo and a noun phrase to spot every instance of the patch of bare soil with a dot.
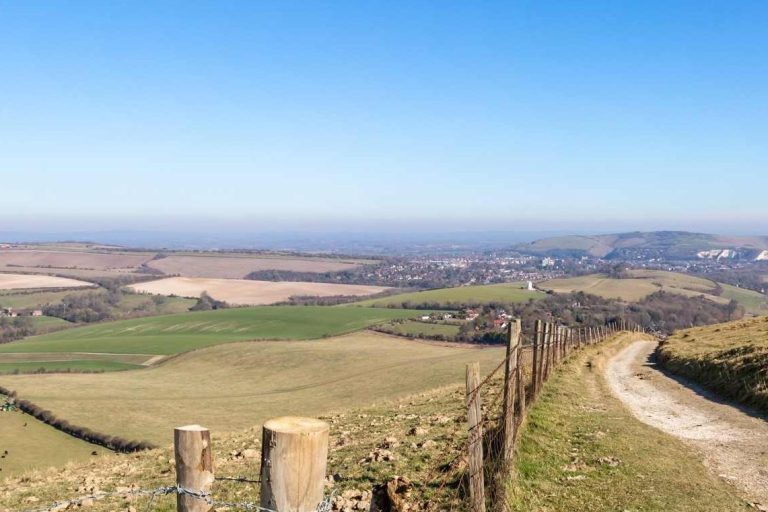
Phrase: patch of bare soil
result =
(733, 441)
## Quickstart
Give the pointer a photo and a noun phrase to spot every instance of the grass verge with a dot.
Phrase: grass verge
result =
(730, 359)
(582, 450)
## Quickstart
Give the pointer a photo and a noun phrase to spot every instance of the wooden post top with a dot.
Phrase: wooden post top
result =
(191, 428)
(296, 425)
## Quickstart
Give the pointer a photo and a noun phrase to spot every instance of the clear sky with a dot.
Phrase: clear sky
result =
(347, 114)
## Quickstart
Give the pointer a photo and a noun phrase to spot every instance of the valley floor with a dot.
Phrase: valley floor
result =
(732, 441)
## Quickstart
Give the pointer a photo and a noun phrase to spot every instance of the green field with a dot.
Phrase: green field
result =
(507, 292)
(235, 386)
(36, 299)
(415, 328)
(171, 334)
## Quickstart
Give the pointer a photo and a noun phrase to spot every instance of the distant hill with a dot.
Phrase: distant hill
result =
(668, 244)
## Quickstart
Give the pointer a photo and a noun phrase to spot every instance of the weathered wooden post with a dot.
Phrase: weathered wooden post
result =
(546, 354)
(194, 468)
(475, 440)
(535, 357)
(294, 456)
(521, 398)
(510, 385)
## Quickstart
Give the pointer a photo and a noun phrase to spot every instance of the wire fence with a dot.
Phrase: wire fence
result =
(325, 506)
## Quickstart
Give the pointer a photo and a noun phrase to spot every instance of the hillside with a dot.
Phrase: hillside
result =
(641, 283)
(669, 244)
(138, 340)
(580, 450)
(730, 359)
(442, 297)
(236, 386)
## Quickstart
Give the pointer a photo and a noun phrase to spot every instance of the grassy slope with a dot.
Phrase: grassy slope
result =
(30, 442)
(235, 386)
(508, 292)
(646, 282)
(576, 430)
(34, 299)
(172, 334)
(753, 302)
(730, 359)
(576, 416)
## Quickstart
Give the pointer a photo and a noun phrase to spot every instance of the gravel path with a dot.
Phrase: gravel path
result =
(733, 443)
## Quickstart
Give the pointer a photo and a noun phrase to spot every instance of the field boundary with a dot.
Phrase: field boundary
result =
(114, 443)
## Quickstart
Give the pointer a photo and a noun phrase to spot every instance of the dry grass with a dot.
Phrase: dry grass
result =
(237, 266)
(730, 359)
(582, 450)
(30, 281)
(234, 386)
(642, 283)
(249, 293)
(33, 444)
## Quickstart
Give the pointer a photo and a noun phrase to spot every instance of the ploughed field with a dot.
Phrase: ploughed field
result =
(237, 266)
(234, 386)
(483, 294)
(247, 292)
(32, 281)
(171, 334)
(89, 261)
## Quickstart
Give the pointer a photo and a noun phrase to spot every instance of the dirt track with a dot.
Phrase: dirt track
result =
(733, 443)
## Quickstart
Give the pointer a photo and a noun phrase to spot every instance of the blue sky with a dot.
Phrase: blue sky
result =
(345, 115)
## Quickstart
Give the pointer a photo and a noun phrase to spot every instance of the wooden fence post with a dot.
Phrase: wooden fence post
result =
(294, 456)
(545, 358)
(475, 440)
(521, 398)
(535, 355)
(194, 467)
(510, 384)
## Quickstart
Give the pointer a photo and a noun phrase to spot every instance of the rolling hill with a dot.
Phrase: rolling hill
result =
(134, 341)
(642, 283)
(669, 244)
(235, 386)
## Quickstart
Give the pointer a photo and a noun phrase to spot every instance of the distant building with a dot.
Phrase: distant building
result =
(548, 262)
(530, 286)
(37, 312)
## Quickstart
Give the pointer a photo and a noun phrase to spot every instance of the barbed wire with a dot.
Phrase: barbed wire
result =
(324, 506)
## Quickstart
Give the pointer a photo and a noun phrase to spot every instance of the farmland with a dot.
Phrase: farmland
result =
(239, 385)
(73, 259)
(247, 292)
(171, 334)
(729, 359)
(641, 283)
(27, 281)
(508, 292)
(237, 266)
